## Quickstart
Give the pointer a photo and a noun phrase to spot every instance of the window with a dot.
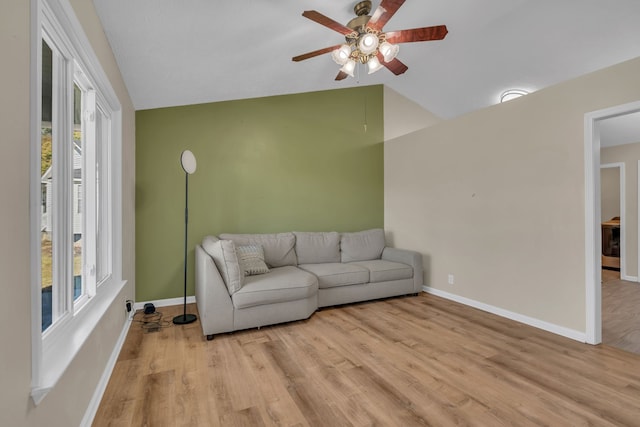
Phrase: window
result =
(68, 161)
(75, 192)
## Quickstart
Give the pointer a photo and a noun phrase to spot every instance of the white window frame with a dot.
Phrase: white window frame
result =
(104, 182)
(54, 350)
(87, 211)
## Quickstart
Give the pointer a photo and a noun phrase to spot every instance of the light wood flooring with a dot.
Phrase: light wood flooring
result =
(413, 361)
(620, 312)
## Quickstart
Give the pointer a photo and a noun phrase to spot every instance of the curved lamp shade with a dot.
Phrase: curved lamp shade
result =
(368, 43)
(389, 51)
(188, 162)
(341, 55)
(374, 65)
(349, 67)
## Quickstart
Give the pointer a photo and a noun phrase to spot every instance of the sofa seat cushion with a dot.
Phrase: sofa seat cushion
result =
(281, 284)
(382, 271)
(337, 274)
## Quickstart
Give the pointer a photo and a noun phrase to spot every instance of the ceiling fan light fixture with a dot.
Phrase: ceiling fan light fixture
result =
(366, 38)
(368, 43)
(349, 67)
(373, 65)
(341, 55)
(389, 51)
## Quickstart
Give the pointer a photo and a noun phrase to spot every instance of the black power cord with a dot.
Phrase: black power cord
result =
(151, 322)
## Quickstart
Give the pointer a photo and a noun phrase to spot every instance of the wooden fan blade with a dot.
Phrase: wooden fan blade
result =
(417, 34)
(395, 65)
(326, 21)
(383, 13)
(314, 53)
(341, 75)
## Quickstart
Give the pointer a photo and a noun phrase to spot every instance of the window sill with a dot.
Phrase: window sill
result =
(61, 346)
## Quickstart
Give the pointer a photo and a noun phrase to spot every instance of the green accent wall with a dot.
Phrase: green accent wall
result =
(304, 162)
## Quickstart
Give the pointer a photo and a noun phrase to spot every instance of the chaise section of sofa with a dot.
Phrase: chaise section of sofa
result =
(228, 301)
(251, 280)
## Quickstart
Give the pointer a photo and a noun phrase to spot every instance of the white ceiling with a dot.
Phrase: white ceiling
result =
(177, 52)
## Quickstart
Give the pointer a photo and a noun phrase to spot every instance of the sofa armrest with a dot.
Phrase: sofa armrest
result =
(212, 297)
(412, 258)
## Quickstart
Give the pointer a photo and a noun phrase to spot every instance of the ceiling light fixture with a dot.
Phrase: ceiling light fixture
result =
(348, 67)
(510, 94)
(367, 42)
(374, 65)
(341, 55)
(389, 51)
(364, 45)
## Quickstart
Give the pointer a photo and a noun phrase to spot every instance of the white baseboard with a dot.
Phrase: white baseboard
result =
(92, 409)
(630, 278)
(166, 302)
(536, 323)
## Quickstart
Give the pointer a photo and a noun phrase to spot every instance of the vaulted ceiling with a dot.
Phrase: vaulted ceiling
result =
(179, 52)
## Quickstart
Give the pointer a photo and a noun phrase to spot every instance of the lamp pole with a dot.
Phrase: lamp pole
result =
(188, 162)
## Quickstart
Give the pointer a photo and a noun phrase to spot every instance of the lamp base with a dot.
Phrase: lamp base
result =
(184, 319)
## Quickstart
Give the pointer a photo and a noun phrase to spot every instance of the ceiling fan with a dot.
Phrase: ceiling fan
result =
(366, 43)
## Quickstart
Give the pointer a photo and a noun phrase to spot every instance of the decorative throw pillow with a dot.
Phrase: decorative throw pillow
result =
(224, 256)
(278, 248)
(208, 243)
(251, 260)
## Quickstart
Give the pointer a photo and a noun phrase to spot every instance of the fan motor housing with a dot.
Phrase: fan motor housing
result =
(362, 10)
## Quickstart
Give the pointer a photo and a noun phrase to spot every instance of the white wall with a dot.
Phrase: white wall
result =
(67, 403)
(403, 116)
(496, 197)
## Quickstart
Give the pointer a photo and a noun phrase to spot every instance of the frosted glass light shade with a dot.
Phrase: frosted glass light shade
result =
(512, 94)
(341, 55)
(348, 67)
(389, 51)
(188, 162)
(368, 43)
(374, 65)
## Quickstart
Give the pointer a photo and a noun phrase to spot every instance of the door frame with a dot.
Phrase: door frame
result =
(623, 215)
(593, 238)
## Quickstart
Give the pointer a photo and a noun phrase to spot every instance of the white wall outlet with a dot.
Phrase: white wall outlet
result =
(129, 307)
(451, 281)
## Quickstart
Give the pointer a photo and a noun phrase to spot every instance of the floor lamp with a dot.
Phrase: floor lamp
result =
(188, 162)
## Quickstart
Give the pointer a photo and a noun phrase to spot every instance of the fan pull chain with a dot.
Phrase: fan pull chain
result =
(365, 114)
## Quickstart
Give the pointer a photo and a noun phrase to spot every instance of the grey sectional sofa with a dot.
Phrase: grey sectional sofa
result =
(251, 280)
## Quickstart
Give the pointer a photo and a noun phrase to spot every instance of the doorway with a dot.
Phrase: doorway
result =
(613, 213)
(593, 216)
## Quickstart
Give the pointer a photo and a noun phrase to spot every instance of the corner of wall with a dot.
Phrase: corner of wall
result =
(403, 116)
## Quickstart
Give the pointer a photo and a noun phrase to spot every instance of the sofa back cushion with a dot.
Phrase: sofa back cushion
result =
(362, 246)
(278, 248)
(317, 248)
(224, 256)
